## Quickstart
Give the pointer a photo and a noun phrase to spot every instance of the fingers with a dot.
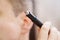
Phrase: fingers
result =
(58, 35)
(53, 34)
(44, 31)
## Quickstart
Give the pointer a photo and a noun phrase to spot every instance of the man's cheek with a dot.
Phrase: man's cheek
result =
(15, 31)
(10, 31)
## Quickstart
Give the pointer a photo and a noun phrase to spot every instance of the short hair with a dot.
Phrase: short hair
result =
(18, 6)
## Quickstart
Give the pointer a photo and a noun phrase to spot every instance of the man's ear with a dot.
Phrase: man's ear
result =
(27, 23)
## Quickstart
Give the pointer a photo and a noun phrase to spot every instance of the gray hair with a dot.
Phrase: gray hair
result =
(18, 6)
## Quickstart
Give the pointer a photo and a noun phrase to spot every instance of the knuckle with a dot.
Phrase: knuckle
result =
(46, 26)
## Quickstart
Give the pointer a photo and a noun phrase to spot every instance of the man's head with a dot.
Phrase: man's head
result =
(11, 26)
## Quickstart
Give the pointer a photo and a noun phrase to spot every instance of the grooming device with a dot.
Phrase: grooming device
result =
(34, 19)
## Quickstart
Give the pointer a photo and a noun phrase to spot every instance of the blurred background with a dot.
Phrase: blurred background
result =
(46, 10)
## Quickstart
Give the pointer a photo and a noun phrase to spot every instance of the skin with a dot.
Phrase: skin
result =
(15, 30)
(11, 27)
(18, 28)
(48, 32)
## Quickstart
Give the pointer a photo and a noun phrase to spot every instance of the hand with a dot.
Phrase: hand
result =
(48, 32)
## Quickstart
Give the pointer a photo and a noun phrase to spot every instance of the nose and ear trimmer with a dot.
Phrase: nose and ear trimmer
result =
(34, 19)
